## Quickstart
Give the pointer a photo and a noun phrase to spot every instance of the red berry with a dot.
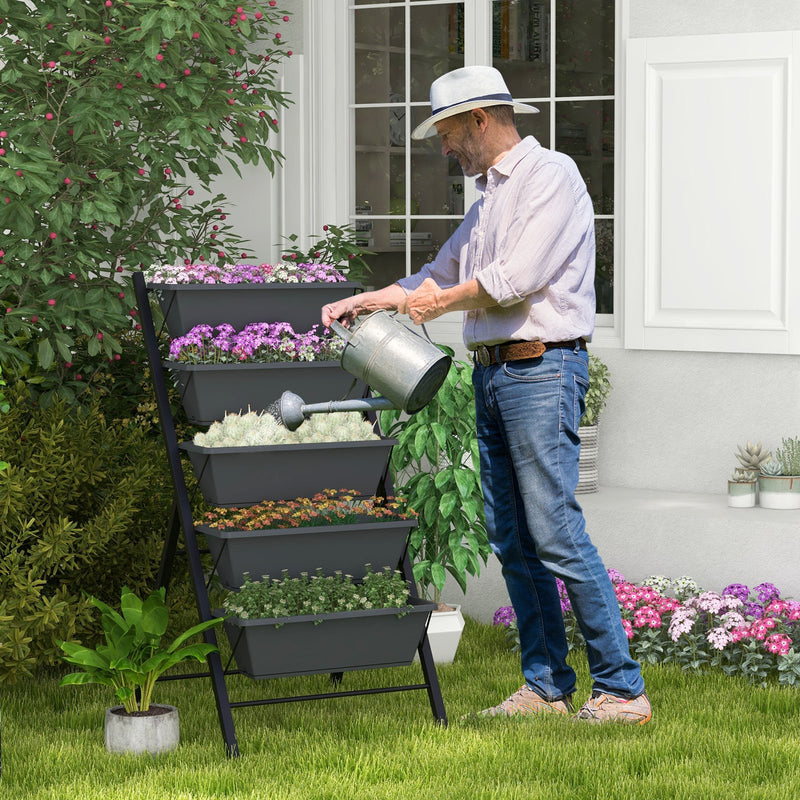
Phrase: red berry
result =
(3, 134)
(78, 376)
(162, 85)
(34, 318)
(67, 364)
(73, 276)
(324, 227)
(159, 57)
(195, 35)
(121, 295)
(100, 336)
(53, 235)
(51, 302)
(187, 71)
(190, 192)
(141, 171)
(67, 181)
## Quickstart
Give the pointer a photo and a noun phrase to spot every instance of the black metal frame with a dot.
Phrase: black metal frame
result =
(181, 520)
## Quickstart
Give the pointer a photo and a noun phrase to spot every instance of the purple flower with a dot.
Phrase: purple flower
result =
(615, 575)
(767, 592)
(504, 616)
(754, 610)
(566, 604)
(737, 590)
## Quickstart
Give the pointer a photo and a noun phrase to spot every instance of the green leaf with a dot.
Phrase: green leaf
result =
(46, 354)
(438, 575)
(447, 504)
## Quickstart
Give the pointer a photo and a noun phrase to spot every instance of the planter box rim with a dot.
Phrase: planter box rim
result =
(185, 366)
(239, 533)
(191, 447)
(415, 605)
(265, 285)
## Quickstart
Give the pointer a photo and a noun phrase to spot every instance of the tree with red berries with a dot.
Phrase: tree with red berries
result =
(112, 113)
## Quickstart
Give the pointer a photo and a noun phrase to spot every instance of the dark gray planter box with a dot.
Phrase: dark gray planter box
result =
(209, 390)
(348, 640)
(299, 304)
(332, 547)
(243, 476)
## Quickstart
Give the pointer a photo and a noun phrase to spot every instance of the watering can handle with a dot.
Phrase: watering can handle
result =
(422, 325)
(340, 329)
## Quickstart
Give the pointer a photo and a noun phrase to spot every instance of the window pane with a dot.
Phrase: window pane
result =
(372, 158)
(521, 46)
(437, 45)
(389, 260)
(537, 125)
(440, 230)
(379, 55)
(584, 47)
(585, 131)
(604, 273)
(437, 183)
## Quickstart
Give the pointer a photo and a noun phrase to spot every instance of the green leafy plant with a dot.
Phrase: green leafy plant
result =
(598, 391)
(116, 118)
(79, 493)
(435, 467)
(339, 246)
(273, 598)
(132, 657)
(788, 456)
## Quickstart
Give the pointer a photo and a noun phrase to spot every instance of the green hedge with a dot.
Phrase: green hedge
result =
(84, 505)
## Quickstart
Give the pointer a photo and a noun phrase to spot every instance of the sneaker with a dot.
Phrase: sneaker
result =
(602, 707)
(527, 701)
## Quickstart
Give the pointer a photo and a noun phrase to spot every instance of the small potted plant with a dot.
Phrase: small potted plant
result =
(130, 660)
(191, 294)
(743, 482)
(779, 478)
(334, 529)
(219, 369)
(247, 458)
(435, 468)
(324, 623)
(595, 402)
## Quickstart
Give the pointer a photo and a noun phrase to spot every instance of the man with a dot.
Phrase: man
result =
(521, 265)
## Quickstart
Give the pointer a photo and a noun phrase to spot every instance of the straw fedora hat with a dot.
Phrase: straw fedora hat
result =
(464, 89)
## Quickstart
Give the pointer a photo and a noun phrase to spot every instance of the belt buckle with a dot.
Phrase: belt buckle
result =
(483, 356)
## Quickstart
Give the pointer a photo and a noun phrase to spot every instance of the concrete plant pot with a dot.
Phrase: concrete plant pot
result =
(329, 547)
(587, 461)
(779, 491)
(244, 476)
(155, 731)
(185, 305)
(444, 634)
(742, 494)
(208, 391)
(339, 642)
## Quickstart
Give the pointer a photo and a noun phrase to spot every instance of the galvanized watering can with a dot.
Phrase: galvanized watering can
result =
(406, 369)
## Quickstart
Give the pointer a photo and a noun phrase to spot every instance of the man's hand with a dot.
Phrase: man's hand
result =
(343, 310)
(424, 303)
(349, 308)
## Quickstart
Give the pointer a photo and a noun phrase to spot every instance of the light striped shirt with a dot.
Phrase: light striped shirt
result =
(529, 241)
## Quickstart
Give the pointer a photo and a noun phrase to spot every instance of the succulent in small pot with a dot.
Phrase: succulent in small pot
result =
(779, 478)
(751, 457)
(742, 488)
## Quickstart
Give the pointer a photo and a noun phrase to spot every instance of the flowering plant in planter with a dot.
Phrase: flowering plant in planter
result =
(317, 594)
(188, 273)
(329, 507)
(258, 342)
(256, 430)
(742, 631)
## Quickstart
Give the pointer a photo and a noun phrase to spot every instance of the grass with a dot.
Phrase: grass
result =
(711, 737)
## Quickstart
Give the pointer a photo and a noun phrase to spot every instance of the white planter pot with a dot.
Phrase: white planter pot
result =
(444, 634)
(779, 491)
(741, 495)
(149, 733)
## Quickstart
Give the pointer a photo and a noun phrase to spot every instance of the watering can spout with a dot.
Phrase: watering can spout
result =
(293, 411)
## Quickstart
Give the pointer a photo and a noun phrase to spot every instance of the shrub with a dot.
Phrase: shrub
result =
(113, 114)
(83, 508)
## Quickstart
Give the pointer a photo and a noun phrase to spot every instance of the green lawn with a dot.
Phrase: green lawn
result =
(711, 737)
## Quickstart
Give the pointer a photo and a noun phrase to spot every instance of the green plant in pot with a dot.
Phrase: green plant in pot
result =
(130, 660)
(742, 483)
(595, 401)
(435, 467)
(779, 477)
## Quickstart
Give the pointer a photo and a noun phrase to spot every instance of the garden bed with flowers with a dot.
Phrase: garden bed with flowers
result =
(742, 630)
(219, 369)
(192, 294)
(332, 530)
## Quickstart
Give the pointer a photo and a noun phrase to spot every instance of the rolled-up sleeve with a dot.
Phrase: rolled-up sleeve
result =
(542, 231)
(445, 269)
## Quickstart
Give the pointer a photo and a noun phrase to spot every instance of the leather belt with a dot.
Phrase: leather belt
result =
(486, 356)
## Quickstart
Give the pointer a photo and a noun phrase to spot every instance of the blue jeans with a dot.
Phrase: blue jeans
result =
(528, 413)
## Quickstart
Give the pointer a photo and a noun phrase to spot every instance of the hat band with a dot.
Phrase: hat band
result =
(501, 96)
